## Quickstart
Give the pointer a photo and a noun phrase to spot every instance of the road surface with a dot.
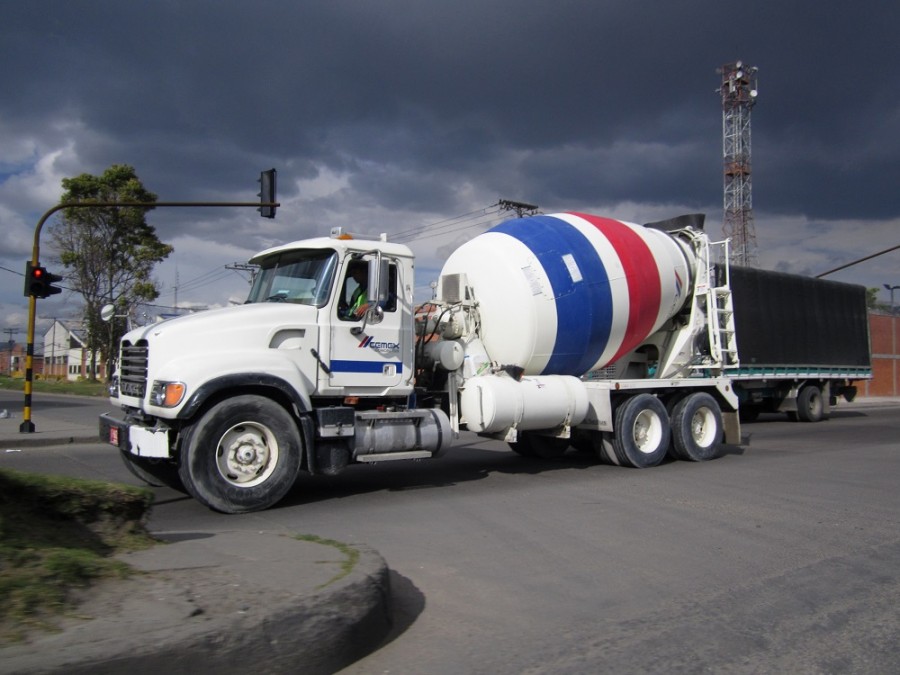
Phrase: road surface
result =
(780, 556)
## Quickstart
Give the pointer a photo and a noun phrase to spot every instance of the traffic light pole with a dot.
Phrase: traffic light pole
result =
(27, 426)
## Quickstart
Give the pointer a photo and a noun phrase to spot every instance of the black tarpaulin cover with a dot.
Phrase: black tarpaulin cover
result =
(787, 319)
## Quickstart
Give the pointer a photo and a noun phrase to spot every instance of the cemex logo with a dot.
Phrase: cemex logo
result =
(379, 346)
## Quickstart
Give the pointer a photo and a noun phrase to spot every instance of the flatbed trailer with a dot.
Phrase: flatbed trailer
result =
(803, 343)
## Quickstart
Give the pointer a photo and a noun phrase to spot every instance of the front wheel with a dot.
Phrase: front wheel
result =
(156, 472)
(242, 455)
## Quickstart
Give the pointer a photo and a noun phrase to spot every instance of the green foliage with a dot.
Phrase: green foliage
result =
(56, 534)
(872, 301)
(109, 252)
(80, 387)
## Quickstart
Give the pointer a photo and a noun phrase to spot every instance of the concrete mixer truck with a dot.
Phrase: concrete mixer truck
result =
(547, 332)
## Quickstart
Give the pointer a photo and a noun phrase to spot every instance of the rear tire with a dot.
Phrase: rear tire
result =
(696, 428)
(242, 455)
(642, 433)
(811, 405)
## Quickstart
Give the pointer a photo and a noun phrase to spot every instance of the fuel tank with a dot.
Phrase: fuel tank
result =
(567, 293)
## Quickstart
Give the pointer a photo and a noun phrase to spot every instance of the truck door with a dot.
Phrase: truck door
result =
(366, 354)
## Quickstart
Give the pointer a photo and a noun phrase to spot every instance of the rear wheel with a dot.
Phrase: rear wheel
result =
(811, 405)
(242, 455)
(696, 427)
(642, 433)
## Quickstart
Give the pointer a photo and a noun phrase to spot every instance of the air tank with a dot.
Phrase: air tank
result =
(568, 293)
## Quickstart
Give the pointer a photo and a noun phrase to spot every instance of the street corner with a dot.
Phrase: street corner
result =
(225, 601)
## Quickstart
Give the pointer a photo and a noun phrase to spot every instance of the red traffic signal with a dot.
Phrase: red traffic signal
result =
(39, 282)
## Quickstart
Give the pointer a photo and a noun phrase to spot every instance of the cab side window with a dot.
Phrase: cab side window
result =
(354, 300)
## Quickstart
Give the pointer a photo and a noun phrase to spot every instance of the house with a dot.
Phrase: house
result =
(12, 360)
(65, 353)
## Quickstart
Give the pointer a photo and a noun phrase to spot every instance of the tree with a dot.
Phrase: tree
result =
(872, 301)
(108, 253)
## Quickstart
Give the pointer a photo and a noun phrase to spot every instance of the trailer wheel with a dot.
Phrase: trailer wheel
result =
(696, 427)
(242, 455)
(155, 472)
(811, 405)
(642, 433)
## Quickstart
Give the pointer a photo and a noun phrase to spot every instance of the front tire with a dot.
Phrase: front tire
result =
(243, 455)
(152, 471)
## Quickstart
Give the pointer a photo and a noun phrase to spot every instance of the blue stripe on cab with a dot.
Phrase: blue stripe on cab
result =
(341, 366)
(583, 308)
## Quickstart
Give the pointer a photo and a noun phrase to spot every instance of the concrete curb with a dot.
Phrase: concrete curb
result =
(159, 623)
(37, 440)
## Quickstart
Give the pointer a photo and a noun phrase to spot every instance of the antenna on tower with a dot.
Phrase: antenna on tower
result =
(739, 92)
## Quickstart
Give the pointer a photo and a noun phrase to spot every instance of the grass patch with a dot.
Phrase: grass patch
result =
(38, 384)
(351, 555)
(57, 535)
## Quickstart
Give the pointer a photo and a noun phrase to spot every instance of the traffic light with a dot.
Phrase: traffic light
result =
(39, 282)
(267, 193)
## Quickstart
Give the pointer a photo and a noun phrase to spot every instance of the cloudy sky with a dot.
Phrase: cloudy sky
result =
(392, 115)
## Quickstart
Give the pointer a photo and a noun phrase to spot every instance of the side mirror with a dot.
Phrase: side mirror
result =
(379, 274)
(377, 293)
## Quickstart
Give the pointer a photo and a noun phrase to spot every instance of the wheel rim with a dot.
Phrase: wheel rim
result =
(703, 427)
(815, 405)
(247, 454)
(647, 432)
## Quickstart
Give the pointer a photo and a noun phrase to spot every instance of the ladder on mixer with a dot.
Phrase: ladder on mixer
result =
(719, 306)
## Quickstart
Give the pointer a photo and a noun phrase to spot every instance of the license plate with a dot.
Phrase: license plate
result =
(114, 435)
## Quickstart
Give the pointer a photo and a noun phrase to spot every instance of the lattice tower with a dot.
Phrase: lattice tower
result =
(739, 91)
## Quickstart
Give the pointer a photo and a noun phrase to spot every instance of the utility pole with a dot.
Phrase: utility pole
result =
(891, 289)
(521, 208)
(243, 267)
(738, 91)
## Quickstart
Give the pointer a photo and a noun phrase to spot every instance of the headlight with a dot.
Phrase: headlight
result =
(167, 394)
(112, 387)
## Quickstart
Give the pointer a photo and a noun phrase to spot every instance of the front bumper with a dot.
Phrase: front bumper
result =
(134, 439)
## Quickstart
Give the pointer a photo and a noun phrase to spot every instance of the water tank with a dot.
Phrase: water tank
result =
(568, 293)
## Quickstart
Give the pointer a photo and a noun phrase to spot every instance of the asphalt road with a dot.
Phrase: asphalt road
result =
(780, 556)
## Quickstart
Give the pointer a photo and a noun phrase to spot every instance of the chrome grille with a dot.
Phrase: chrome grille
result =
(133, 369)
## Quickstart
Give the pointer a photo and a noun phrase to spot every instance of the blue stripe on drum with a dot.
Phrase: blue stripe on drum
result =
(584, 308)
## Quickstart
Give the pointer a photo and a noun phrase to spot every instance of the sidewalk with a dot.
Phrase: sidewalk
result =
(233, 601)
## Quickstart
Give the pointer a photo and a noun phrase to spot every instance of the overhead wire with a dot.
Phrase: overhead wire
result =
(483, 216)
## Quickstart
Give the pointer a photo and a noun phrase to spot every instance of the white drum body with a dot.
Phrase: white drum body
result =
(567, 293)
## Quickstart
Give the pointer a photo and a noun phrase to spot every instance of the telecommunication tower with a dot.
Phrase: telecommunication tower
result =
(739, 93)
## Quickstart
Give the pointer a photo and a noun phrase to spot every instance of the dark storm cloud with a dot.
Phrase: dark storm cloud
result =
(590, 102)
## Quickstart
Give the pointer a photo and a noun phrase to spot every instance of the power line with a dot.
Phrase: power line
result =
(856, 262)
(460, 222)
(485, 217)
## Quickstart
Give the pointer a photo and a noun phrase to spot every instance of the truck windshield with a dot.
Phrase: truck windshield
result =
(303, 277)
